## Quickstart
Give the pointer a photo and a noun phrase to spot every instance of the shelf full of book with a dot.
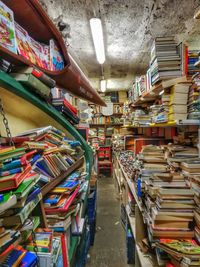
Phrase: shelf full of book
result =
(58, 158)
(24, 47)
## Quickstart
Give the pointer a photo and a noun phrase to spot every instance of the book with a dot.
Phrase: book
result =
(11, 201)
(37, 73)
(37, 51)
(23, 43)
(7, 37)
(23, 214)
(33, 83)
(56, 59)
(14, 180)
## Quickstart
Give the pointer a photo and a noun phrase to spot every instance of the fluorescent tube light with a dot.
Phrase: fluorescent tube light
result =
(97, 36)
(103, 85)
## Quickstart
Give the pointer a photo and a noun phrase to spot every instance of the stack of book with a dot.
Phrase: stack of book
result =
(183, 252)
(165, 59)
(178, 102)
(141, 118)
(152, 160)
(35, 80)
(159, 113)
(194, 99)
(60, 102)
(47, 244)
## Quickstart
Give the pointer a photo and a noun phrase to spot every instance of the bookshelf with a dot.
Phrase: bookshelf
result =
(23, 109)
(42, 28)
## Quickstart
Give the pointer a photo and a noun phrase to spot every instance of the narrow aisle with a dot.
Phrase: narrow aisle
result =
(109, 247)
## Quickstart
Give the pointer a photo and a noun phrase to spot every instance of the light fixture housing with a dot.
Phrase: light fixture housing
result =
(97, 36)
(103, 85)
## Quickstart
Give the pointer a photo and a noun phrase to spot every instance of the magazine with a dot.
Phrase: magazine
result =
(7, 29)
(56, 59)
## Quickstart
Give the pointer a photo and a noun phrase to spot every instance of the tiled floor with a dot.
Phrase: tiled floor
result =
(109, 249)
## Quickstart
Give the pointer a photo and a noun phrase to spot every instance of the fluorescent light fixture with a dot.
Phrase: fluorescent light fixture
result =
(97, 36)
(103, 85)
(162, 92)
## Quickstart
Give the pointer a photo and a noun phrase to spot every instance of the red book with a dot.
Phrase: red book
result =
(67, 205)
(64, 250)
(24, 159)
(13, 181)
(70, 107)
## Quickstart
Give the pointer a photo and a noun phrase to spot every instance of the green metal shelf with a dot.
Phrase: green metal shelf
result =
(8, 83)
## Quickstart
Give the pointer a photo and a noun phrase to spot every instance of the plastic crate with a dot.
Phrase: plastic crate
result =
(83, 249)
(92, 205)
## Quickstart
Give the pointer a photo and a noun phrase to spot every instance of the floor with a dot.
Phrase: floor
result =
(109, 248)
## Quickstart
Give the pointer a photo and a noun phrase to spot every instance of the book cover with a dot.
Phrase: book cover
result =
(38, 52)
(23, 43)
(7, 28)
(56, 59)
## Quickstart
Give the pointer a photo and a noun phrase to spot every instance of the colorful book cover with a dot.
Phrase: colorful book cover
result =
(56, 59)
(45, 57)
(38, 52)
(23, 43)
(7, 29)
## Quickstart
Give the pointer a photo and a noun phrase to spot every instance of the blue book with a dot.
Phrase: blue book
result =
(29, 260)
(11, 165)
(33, 194)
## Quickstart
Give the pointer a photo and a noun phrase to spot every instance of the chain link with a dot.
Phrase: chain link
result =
(5, 122)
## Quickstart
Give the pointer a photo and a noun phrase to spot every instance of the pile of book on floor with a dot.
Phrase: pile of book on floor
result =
(38, 157)
(169, 183)
(166, 59)
(60, 102)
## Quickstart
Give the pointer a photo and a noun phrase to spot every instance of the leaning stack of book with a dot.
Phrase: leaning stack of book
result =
(166, 60)
(152, 160)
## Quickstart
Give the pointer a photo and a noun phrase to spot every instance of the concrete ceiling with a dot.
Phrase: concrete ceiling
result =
(129, 27)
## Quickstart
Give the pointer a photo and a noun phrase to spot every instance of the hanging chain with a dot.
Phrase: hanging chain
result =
(5, 122)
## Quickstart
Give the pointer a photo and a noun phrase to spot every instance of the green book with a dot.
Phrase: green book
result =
(12, 153)
(33, 83)
(25, 187)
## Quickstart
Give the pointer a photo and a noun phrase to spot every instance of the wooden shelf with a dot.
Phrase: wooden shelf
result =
(103, 124)
(42, 29)
(48, 187)
(175, 123)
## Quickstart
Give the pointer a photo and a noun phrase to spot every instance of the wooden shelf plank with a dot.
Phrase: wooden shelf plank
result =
(48, 187)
